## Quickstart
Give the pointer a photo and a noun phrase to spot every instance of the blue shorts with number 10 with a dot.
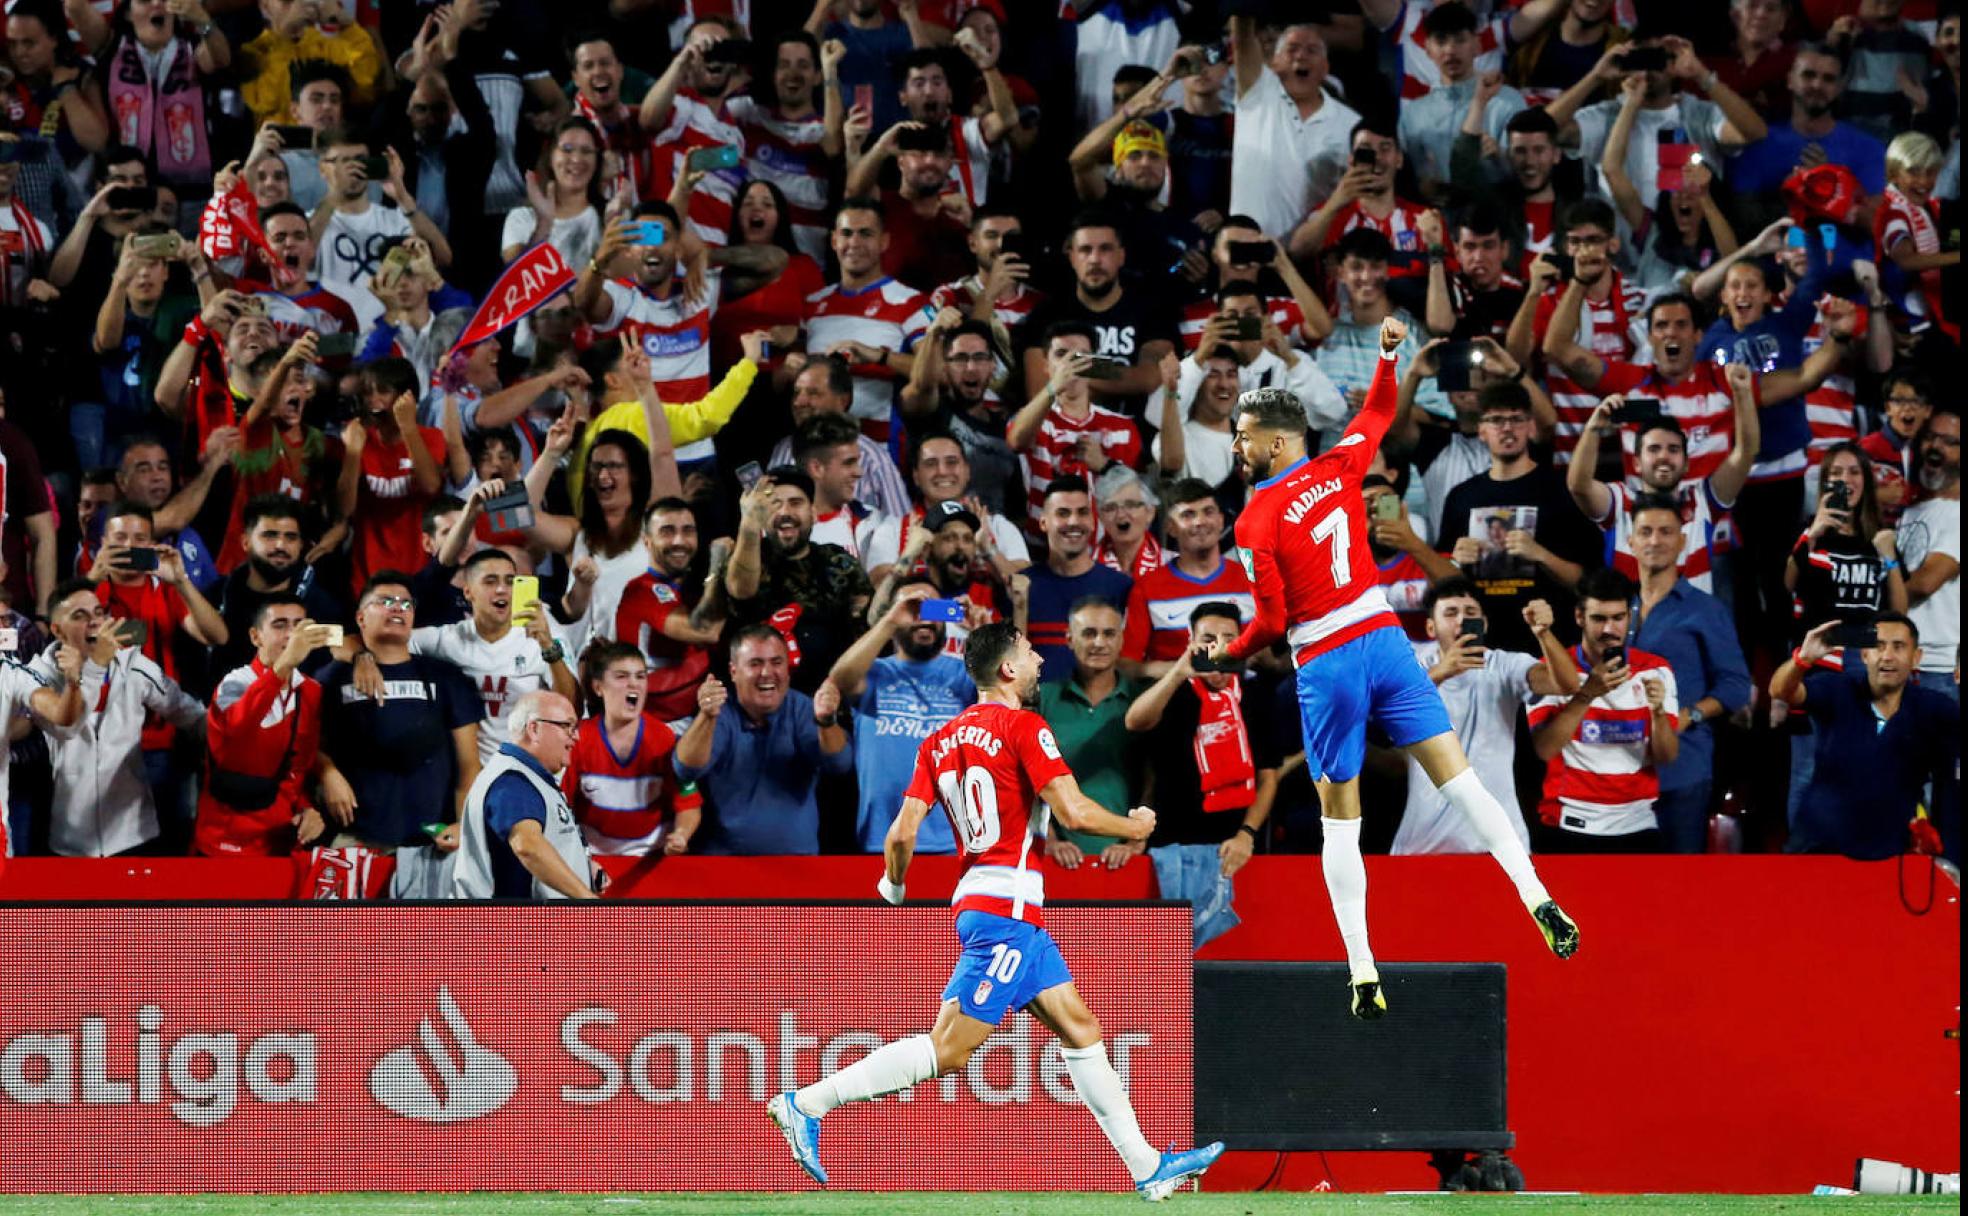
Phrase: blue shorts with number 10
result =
(1374, 676)
(1006, 964)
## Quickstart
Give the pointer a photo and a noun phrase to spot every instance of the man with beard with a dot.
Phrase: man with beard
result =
(951, 385)
(759, 762)
(899, 700)
(1161, 601)
(1070, 573)
(824, 386)
(1533, 190)
(144, 477)
(662, 615)
(273, 569)
(943, 550)
(942, 476)
(1123, 164)
(867, 319)
(1930, 544)
(295, 303)
(815, 595)
(685, 111)
(927, 228)
(1693, 392)
(927, 98)
(1133, 327)
(391, 467)
(1661, 453)
(1881, 739)
(1812, 136)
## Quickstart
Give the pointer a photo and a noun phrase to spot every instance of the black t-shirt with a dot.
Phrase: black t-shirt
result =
(1537, 503)
(1179, 814)
(398, 755)
(814, 596)
(238, 604)
(1135, 319)
(1839, 577)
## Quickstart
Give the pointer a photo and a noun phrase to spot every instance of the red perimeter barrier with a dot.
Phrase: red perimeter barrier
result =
(318, 1047)
(1742, 1024)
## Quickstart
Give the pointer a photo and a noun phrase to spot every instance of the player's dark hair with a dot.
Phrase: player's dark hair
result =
(1673, 299)
(1534, 121)
(1187, 489)
(1654, 502)
(1273, 409)
(1071, 329)
(985, 651)
(968, 329)
(595, 661)
(70, 587)
(822, 433)
(1594, 211)
(267, 506)
(1094, 217)
(383, 578)
(1222, 610)
(437, 509)
(1365, 244)
(1668, 423)
(786, 476)
(754, 633)
(488, 554)
(1504, 395)
(1066, 483)
(1448, 589)
(1606, 585)
(1448, 20)
(994, 210)
(666, 504)
(1897, 618)
(279, 599)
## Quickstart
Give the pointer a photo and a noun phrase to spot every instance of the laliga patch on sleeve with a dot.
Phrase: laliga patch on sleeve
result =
(1048, 744)
(665, 593)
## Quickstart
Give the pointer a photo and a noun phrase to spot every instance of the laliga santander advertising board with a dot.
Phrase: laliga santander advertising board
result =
(600, 1046)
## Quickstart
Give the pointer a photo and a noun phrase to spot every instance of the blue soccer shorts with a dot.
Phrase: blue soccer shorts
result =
(1374, 676)
(1005, 964)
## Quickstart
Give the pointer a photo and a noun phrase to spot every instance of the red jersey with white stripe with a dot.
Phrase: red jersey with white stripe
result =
(695, 124)
(987, 766)
(786, 152)
(675, 332)
(1700, 513)
(1304, 535)
(313, 310)
(1404, 581)
(1700, 401)
(1011, 312)
(1898, 218)
(1055, 450)
(1604, 783)
(1889, 468)
(883, 314)
(1160, 602)
(1283, 311)
(625, 804)
(1832, 408)
(1419, 74)
(1401, 227)
(1609, 330)
(970, 167)
(675, 668)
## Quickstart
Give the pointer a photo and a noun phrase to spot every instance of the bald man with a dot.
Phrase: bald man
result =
(519, 839)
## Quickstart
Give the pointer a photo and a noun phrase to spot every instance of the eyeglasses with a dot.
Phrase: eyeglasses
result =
(1505, 420)
(393, 601)
(986, 357)
(608, 466)
(1133, 504)
(571, 727)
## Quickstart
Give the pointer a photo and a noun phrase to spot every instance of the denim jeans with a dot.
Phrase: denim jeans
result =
(1683, 816)
(1195, 872)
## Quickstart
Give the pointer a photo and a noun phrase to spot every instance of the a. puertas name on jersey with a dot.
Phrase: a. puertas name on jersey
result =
(969, 736)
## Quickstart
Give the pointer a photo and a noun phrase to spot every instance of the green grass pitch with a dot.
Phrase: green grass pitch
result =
(944, 1204)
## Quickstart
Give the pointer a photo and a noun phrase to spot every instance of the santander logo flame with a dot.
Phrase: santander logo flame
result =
(439, 1083)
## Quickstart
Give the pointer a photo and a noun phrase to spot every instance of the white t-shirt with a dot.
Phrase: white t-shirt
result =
(576, 238)
(1281, 165)
(1205, 453)
(351, 247)
(616, 574)
(503, 671)
(1700, 122)
(1934, 526)
(884, 543)
(1483, 707)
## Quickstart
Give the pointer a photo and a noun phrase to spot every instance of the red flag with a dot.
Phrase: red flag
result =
(538, 275)
(227, 219)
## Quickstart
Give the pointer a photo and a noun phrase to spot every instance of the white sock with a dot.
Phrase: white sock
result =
(1346, 883)
(885, 1070)
(1099, 1086)
(1469, 795)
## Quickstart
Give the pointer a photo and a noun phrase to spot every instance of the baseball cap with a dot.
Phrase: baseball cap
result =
(944, 514)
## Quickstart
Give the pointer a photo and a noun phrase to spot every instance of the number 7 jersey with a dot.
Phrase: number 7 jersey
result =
(987, 766)
(1304, 538)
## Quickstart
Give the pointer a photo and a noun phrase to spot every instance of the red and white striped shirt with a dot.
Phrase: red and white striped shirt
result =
(1700, 401)
(1283, 311)
(1613, 331)
(1404, 581)
(24, 243)
(675, 332)
(1401, 227)
(1055, 451)
(1604, 783)
(694, 124)
(970, 162)
(884, 314)
(1831, 409)
(1011, 312)
(1897, 219)
(786, 152)
(1701, 512)
(1419, 75)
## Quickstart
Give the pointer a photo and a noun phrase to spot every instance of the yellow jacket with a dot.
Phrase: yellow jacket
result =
(689, 421)
(267, 58)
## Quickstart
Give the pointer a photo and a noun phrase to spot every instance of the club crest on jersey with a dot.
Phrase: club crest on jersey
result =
(982, 994)
(1350, 440)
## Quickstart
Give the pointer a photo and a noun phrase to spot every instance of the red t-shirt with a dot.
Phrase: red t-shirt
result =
(675, 668)
(267, 464)
(389, 509)
(780, 302)
(159, 606)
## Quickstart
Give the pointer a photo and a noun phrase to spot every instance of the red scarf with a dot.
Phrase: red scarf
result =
(209, 389)
(1224, 770)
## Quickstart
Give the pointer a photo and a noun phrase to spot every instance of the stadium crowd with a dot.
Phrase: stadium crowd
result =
(873, 323)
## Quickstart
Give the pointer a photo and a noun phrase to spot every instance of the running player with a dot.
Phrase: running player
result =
(1304, 535)
(988, 766)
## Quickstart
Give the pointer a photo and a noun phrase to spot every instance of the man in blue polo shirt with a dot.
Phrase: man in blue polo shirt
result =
(759, 761)
(519, 838)
(1881, 738)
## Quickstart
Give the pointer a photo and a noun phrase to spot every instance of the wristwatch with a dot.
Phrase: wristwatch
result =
(553, 653)
(826, 722)
(1695, 716)
(1248, 830)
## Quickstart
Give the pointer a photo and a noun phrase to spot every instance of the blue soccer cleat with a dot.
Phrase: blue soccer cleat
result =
(1176, 1169)
(802, 1132)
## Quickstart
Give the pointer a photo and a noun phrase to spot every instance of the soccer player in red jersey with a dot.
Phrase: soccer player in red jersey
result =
(1304, 534)
(989, 766)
